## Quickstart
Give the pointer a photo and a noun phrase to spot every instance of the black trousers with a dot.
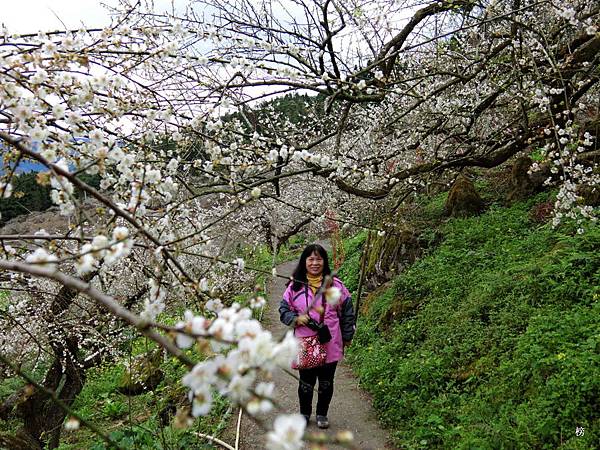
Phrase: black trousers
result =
(306, 387)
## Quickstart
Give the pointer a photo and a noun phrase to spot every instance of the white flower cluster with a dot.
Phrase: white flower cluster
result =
(333, 295)
(567, 13)
(287, 433)
(573, 176)
(255, 192)
(5, 190)
(154, 305)
(72, 424)
(41, 258)
(104, 249)
(257, 302)
(62, 191)
(541, 99)
(239, 264)
(247, 351)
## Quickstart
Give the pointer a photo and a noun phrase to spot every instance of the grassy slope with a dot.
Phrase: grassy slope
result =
(135, 421)
(490, 341)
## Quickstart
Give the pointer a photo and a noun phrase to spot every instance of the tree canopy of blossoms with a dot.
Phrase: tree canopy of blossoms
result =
(178, 118)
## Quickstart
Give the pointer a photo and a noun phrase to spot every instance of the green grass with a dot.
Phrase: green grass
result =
(141, 421)
(492, 340)
(350, 269)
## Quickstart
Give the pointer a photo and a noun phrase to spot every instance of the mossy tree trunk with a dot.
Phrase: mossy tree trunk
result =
(42, 418)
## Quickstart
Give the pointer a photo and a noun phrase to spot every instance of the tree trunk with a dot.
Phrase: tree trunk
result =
(42, 418)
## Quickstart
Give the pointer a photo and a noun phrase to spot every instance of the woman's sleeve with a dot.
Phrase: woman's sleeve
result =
(286, 315)
(347, 320)
(347, 317)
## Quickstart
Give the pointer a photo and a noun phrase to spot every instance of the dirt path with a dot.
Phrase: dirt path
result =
(350, 408)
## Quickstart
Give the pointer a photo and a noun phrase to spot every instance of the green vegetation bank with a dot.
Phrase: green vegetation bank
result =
(491, 339)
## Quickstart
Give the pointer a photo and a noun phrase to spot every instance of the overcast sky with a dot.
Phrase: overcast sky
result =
(28, 16)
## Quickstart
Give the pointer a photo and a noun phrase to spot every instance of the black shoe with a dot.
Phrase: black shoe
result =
(322, 422)
(307, 418)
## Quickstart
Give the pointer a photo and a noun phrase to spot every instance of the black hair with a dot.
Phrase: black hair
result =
(299, 276)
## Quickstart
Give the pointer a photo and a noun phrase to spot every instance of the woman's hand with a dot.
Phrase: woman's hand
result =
(302, 319)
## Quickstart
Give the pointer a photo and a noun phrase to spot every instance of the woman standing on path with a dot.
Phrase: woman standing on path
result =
(298, 306)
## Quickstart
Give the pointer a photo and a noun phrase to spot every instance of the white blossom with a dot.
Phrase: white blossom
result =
(41, 257)
(71, 424)
(333, 295)
(255, 193)
(287, 433)
(96, 135)
(203, 285)
(285, 351)
(120, 233)
(86, 262)
(6, 189)
(194, 325)
(201, 401)
(257, 302)
(240, 264)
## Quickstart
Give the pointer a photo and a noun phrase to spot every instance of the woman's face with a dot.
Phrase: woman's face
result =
(314, 264)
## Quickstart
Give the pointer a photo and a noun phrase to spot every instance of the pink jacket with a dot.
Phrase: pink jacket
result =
(339, 319)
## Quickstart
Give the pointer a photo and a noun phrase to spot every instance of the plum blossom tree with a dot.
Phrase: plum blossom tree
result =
(176, 115)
